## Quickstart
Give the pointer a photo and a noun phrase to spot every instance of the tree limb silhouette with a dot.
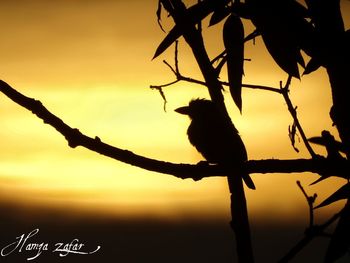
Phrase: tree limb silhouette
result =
(184, 171)
(310, 234)
(194, 38)
(180, 77)
(75, 138)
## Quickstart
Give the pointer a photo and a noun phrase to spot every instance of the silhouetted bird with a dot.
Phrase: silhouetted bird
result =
(216, 139)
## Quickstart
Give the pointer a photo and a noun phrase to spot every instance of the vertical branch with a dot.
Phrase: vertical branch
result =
(336, 55)
(335, 51)
(240, 221)
(239, 211)
(195, 40)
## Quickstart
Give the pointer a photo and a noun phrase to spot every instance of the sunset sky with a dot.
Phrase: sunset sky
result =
(89, 62)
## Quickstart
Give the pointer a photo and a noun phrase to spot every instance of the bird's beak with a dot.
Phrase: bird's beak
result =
(183, 110)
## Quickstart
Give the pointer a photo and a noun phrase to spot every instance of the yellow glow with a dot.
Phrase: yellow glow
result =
(90, 64)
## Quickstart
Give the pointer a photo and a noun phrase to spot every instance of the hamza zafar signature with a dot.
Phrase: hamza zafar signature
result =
(23, 244)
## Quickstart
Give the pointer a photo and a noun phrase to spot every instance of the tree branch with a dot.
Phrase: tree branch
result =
(179, 77)
(310, 234)
(310, 202)
(75, 138)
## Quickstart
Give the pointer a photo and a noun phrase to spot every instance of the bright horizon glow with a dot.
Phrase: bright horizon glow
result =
(94, 72)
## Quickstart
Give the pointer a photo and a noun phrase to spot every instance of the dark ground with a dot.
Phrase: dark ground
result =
(145, 240)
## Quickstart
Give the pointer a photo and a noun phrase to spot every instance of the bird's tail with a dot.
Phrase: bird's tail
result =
(248, 181)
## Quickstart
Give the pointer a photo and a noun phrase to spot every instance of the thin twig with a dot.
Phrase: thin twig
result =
(293, 112)
(252, 36)
(224, 83)
(175, 71)
(316, 231)
(310, 201)
(180, 77)
(177, 57)
(260, 87)
(157, 87)
(222, 54)
(162, 94)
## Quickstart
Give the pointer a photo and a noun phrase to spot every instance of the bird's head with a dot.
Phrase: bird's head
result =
(197, 108)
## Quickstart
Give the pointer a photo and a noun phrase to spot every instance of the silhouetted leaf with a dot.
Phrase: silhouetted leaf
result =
(218, 15)
(341, 193)
(192, 16)
(317, 140)
(300, 59)
(340, 241)
(171, 37)
(233, 35)
(284, 30)
(285, 55)
(328, 142)
(322, 177)
(333, 148)
(329, 174)
(312, 66)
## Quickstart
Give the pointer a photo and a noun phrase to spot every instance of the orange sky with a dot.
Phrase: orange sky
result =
(90, 63)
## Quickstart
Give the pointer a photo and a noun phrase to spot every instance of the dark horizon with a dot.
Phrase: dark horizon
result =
(148, 239)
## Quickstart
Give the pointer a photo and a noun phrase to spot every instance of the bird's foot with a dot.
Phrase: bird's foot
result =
(201, 164)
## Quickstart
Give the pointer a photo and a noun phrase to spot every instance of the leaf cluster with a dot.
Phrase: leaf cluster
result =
(293, 32)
